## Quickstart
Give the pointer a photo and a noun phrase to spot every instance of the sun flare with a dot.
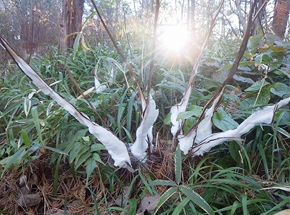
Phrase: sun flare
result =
(174, 38)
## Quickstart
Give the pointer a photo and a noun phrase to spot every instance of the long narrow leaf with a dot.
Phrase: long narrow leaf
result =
(197, 199)
(163, 199)
(34, 113)
(178, 165)
(181, 206)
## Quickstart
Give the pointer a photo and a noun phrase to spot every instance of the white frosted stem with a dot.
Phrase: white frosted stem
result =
(115, 147)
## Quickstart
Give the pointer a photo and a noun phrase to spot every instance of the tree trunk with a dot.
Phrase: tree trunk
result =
(281, 15)
(31, 32)
(71, 22)
(192, 20)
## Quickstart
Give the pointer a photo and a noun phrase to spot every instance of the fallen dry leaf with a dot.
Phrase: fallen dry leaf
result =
(29, 200)
(149, 203)
(284, 212)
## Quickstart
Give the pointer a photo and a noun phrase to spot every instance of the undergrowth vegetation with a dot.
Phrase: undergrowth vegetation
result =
(248, 176)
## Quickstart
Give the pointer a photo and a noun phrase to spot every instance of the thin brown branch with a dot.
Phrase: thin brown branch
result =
(81, 92)
(260, 9)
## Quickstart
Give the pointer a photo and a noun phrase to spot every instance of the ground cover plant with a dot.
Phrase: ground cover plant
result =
(56, 159)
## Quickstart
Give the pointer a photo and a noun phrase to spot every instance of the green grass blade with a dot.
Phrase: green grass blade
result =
(180, 206)
(128, 135)
(163, 183)
(130, 189)
(234, 208)
(197, 199)
(34, 113)
(278, 207)
(56, 174)
(25, 138)
(264, 159)
(163, 199)
(133, 206)
(178, 165)
(130, 111)
(151, 189)
(14, 158)
(36, 145)
(245, 205)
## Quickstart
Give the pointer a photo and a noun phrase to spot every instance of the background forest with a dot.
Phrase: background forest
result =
(126, 65)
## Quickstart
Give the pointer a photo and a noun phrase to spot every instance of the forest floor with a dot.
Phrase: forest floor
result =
(30, 190)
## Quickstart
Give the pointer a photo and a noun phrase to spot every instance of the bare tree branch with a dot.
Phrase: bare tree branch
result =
(235, 66)
(131, 72)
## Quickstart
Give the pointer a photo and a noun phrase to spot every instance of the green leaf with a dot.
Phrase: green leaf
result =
(132, 206)
(128, 135)
(97, 158)
(150, 188)
(14, 158)
(244, 205)
(278, 206)
(25, 138)
(37, 145)
(80, 134)
(188, 124)
(263, 58)
(257, 86)
(195, 111)
(86, 138)
(266, 58)
(162, 182)
(75, 152)
(262, 100)
(185, 115)
(84, 44)
(76, 44)
(258, 59)
(255, 41)
(280, 89)
(90, 166)
(264, 159)
(130, 110)
(284, 132)
(197, 199)
(234, 208)
(97, 147)
(131, 187)
(178, 165)
(278, 49)
(34, 113)
(163, 199)
(223, 120)
(234, 149)
(56, 174)
(82, 159)
(180, 206)
(167, 119)
(226, 67)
